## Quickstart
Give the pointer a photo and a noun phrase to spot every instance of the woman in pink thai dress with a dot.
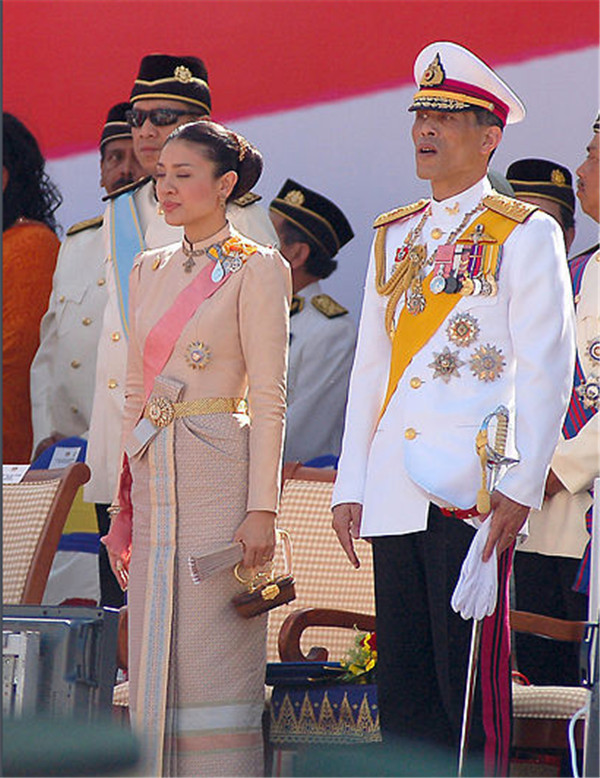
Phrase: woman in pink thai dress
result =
(202, 438)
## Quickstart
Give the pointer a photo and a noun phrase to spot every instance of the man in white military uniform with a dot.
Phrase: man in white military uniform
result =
(467, 307)
(548, 567)
(311, 231)
(169, 91)
(63, 370)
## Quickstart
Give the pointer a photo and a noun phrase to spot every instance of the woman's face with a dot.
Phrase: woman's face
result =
(186, 186)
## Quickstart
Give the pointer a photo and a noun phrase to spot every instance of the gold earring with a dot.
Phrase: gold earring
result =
(159, 210)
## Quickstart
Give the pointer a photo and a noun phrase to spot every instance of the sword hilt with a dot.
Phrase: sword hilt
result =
(491, 457)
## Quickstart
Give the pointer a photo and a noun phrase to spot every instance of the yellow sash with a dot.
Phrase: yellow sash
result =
(413, 331)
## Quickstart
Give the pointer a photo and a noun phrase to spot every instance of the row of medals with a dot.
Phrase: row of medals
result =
(458, 281)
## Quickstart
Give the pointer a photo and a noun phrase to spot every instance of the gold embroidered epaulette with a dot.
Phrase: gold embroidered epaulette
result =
(247, 199)
(399, 213)
(516, 210)
(127, 188)
(86, 224)
(328, 306)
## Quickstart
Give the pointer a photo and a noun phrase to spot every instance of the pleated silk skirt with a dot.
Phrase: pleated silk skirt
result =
(196, 667)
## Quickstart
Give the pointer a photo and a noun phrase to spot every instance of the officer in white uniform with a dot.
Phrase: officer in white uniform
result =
(64, 368)
(311, 231)
(168, 91)
(63, 371)
(467, 307)
(548, 561)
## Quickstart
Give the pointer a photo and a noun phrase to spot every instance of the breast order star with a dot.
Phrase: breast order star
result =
(445, 364)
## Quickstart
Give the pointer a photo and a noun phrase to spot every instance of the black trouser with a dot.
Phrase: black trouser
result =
(543, 585)
(422, 644)
(111, 594)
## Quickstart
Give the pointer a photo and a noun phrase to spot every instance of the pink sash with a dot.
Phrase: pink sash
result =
(165, 333)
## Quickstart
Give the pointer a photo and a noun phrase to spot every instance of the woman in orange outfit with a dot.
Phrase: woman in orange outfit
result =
(29, 250)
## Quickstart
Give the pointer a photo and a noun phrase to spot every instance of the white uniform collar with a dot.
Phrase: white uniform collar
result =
(453, 209)
(308, 292)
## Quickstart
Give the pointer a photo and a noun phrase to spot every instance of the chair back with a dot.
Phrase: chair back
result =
(324, 576)
(34, 512)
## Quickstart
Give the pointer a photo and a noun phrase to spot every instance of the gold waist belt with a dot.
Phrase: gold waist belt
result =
(161, 411)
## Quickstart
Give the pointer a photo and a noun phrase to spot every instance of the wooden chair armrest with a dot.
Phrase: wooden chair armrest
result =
(547, 626)
(122, 639)
(295, 624)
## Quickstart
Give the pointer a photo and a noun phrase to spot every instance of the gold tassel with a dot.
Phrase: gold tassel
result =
(483, 495)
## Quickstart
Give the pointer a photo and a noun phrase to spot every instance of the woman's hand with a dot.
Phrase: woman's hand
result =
(257, 536)
(120, 568)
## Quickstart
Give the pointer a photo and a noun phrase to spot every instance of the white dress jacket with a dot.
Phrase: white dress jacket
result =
(423, 448)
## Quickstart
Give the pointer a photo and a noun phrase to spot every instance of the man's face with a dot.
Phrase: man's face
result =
(148, 139)
(588, 183)
(452, 149)
(119, 166)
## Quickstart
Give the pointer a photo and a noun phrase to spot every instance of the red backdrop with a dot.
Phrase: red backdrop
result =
(67, 61)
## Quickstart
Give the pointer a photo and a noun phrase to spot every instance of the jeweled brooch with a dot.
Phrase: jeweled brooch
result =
(197, 355)
(487, 363)
(590, 392)
(462, 329)
(445, 364)
(593, 351)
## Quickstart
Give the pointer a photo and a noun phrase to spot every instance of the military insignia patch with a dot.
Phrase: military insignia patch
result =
(462, 329)
(183, 74)
(434, 74)
(445, 364)
(297, 304)
(590, 392)
(197, 355)
(328, 306)
(487, 363)
(294, 197)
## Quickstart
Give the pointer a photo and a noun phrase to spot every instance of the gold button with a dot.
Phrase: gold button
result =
(100, 282)
(86, 321)
(112, 384)
(410, 433)
(74, 409)
(436, 233)
(61, 299)
(115, 336)
(415, 382)
(75, 363)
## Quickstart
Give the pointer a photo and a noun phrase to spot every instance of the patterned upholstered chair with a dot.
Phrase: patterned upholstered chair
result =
(541, 714)
(324, 577)
(34, 512)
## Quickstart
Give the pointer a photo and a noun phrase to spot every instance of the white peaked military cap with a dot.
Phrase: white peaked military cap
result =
(452, 78)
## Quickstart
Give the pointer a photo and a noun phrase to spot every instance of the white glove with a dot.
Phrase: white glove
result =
(476, 592)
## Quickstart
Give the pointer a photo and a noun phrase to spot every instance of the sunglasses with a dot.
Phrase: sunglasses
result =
(159, 117)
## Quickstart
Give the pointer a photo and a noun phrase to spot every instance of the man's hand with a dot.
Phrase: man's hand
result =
(346, 523)
(507, 519)
(553, 484)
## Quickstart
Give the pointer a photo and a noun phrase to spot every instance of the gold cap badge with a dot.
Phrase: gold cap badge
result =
(294, 197)
(558, 177)
(183, 74)
(434, 73)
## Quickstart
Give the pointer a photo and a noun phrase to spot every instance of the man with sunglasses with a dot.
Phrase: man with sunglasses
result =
(168, 91)
(63, 371)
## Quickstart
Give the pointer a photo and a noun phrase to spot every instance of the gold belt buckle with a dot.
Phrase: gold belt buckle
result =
(161, 411)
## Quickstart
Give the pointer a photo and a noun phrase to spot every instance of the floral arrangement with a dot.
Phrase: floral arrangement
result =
(361, 660)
